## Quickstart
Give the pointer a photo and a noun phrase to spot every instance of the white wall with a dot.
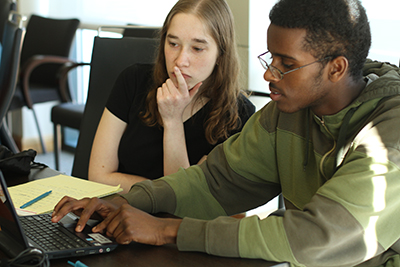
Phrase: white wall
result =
(258, 25)
(385, 24)
(100, 12)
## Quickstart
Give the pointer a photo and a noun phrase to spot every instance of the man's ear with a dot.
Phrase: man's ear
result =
(338, 68)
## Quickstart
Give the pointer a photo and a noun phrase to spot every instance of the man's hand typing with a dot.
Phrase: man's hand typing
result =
(120, 220)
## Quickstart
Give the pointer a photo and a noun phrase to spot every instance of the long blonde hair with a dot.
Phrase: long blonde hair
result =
(222, 87)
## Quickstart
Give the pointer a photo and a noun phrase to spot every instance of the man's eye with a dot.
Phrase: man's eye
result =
(287, 66)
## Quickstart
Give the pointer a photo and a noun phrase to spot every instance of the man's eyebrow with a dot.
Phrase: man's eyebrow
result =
(197, 40)
(284, 56)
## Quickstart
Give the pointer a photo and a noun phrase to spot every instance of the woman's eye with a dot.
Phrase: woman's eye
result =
(198, 49)
(173, 44)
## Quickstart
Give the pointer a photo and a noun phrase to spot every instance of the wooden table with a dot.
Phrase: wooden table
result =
(138, 255)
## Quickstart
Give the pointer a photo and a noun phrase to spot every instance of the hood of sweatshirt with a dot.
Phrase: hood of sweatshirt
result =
(383, 82)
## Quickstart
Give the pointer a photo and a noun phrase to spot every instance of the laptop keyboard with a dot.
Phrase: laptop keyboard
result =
(50, 236)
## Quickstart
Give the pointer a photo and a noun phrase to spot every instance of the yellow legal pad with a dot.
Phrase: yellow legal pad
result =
(61, 185)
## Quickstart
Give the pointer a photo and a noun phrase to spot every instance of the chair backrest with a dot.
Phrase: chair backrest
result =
(47, 36)
(5, 7)
(109, 58)
(11, 51)
(140, 31)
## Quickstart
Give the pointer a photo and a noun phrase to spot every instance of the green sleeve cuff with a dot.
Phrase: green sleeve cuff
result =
(217, 237)
(152, 197)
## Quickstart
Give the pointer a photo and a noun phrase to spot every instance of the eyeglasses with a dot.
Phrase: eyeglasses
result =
(277, 73)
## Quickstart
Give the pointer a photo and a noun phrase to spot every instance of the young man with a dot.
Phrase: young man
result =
(329, 142)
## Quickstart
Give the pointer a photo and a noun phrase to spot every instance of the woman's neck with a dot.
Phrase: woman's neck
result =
(194, 106)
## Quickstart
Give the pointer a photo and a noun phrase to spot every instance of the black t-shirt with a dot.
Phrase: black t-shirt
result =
(140, 150)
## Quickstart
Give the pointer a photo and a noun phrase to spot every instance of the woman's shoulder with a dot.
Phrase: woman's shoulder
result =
(130, 89)
(136, 79)
(137, 70)
(245, 105)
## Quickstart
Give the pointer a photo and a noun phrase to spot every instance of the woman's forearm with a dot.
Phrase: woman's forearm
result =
(175, 151)
(116, 178)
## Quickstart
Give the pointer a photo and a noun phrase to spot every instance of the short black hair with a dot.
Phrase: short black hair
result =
(334, 28)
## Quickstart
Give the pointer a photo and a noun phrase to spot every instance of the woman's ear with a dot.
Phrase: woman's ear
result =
(338, 68)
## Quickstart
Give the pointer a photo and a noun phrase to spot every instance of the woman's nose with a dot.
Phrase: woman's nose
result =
(183, 59)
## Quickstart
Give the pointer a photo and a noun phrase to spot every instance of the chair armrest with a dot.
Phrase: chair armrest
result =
(62, 75)
(30, 65)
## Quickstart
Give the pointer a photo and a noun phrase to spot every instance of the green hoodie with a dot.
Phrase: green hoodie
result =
(339, 175)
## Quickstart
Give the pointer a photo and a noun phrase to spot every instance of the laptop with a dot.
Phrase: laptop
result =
(56, 240)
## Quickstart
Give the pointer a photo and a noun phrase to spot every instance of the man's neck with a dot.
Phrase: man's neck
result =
(345, 94)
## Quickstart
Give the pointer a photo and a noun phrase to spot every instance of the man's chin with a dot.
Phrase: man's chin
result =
(287, 110)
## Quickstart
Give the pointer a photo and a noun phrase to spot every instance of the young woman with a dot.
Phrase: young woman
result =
(169, 115)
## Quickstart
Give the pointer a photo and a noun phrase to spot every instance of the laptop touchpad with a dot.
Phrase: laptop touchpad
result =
(70, 220)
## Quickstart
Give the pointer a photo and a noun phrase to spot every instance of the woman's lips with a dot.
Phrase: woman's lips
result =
(185, 76)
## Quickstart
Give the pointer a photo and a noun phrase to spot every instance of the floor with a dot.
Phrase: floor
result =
(66, 161)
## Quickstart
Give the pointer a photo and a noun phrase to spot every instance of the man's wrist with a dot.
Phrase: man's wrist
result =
(119, 201)
(171, 230)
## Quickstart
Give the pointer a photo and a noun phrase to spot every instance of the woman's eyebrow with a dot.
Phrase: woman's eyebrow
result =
(197, 40)
(172, 36)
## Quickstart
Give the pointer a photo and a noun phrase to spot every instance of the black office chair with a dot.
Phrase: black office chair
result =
(133, 30)
(10, 57)
(70, 114)
(5, 7)
(141, 31)
(45, 49)
(110, 56)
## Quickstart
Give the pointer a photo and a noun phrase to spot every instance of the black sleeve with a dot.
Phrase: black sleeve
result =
(118, 102)
(131, 81)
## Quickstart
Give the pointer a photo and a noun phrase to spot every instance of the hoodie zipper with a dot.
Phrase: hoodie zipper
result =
(330, 151)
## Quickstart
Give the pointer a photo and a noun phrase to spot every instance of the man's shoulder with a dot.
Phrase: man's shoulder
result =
(271, 118)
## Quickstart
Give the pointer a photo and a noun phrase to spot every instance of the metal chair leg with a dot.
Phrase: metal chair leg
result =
(6, 137)
(57, 131)
(39, 132)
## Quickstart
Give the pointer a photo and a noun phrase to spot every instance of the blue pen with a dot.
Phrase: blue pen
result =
(35, 200)
(77, 264)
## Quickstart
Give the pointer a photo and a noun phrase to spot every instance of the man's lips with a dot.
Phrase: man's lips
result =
(275, 94)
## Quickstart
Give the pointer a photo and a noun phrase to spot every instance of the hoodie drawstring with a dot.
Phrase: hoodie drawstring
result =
(305, 162)
(342, 138)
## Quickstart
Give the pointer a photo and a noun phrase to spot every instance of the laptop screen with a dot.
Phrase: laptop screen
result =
(11, 238)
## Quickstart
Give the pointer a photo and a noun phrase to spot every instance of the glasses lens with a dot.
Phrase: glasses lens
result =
(275, 72)
(266, 61)
(263, 63)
